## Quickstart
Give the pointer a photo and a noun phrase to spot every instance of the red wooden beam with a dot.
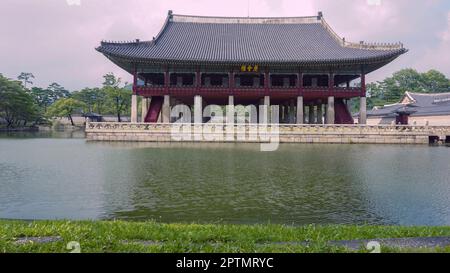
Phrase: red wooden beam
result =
(219, 92)
(198, 80)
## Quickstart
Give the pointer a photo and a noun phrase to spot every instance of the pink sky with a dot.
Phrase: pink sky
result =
(55, 41)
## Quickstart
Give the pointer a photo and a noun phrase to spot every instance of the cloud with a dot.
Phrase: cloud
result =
(438, 57)
(56, 41)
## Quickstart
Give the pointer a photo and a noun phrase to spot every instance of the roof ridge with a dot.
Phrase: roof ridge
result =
(428, 94)
(244, 20)
(135, 42)
(319, 19)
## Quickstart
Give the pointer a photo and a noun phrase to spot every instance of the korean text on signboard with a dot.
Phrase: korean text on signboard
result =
(249, 68)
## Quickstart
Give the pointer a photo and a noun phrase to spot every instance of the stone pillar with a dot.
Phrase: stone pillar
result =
(230, 110)
(320, 113)
(330, 111)
(266, 111)
(198, 109)
(311, 114)
(145, 105)
(363, 110)
(166, 109)
(300, 110)
(134, 109)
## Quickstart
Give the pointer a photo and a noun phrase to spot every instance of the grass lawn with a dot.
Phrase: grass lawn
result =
(152, 237)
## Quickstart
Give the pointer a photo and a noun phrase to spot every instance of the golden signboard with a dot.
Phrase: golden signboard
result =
(250, 68)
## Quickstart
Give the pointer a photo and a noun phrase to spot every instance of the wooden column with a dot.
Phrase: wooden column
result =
(331, 82)
(198, 80)
(267, 83)
(135, 80)
(166, 81)
(231, 82)
(300, 83)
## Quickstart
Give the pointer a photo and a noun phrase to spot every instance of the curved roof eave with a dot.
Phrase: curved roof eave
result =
(383, 60)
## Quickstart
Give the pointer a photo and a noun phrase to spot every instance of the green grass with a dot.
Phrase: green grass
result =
(120, 236)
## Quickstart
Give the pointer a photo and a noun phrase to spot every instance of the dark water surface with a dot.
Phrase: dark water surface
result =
(62, 176)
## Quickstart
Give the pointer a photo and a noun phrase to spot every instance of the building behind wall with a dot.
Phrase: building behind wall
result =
(423, 109)
(298, 63)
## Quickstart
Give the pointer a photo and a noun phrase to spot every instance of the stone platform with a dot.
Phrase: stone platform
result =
(259, 133)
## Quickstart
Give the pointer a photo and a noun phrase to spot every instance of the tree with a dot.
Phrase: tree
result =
(393, 88)
(43, 97)
(435, 82)
(65, 107)
(46, 97)
(17, 107)
(57, 92)
(118, 96)
(25, 77)
(94, 98)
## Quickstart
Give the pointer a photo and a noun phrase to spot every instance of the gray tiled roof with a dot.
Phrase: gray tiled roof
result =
(429, 99)
(255, 40)
(422, 105)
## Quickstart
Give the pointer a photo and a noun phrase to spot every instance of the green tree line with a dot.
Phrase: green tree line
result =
(23, 106)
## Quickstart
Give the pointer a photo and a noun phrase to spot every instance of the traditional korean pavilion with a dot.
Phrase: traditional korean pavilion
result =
(298, 63)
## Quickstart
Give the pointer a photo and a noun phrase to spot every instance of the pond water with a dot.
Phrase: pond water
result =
(62, 176)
